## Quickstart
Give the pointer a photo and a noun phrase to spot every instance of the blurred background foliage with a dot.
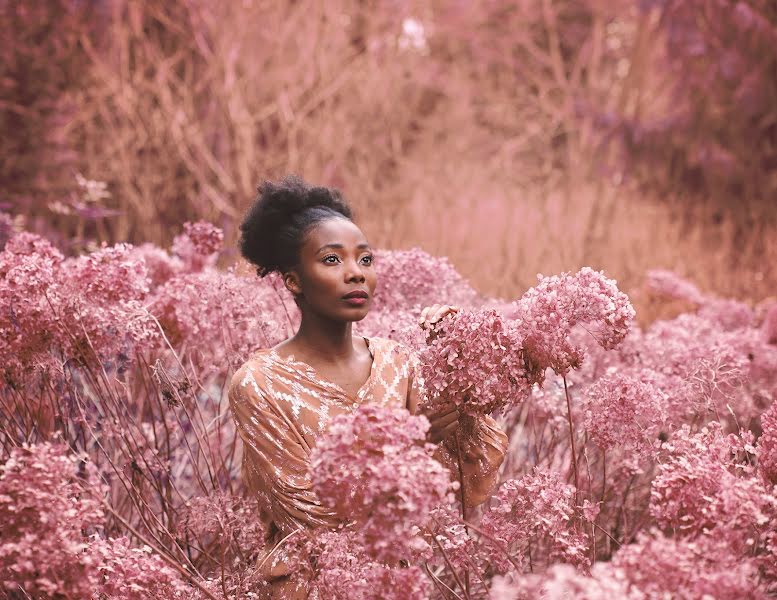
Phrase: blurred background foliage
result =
(514, 137)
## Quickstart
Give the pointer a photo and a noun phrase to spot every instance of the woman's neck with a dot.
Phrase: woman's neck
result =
(327, 341)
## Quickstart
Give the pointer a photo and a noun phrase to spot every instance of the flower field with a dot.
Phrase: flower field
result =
(641, 462)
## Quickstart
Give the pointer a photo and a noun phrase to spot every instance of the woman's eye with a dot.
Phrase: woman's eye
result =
(367, 260)
(331, 262)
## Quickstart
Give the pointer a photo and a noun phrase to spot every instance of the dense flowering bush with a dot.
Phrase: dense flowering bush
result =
(641, 463)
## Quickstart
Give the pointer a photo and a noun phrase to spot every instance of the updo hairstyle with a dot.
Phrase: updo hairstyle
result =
(282, 213)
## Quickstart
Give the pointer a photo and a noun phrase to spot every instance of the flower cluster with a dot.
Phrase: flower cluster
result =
(198, 245)
(475, 361)
(535, 514)
(767, 446)
(48, 501)
(373, 467)
(414, 278)
(699, 486)
(88, 308)
(624, 412)
(547, 313)
(669, 284)
(343, 570)
(220, 315)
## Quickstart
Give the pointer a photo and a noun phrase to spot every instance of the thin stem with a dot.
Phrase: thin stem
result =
(571, 435)
(463, 502)
(450, 566)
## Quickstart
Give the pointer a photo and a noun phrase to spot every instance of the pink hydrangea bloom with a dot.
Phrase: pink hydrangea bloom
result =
(131, 573)
(49, 502)
(344, 571)
(669, 284)
(622, 411)
(414, 278)
(109, 275)
(160, 265)
(703, 567)
(547, 313)
(767, 446)
(221, 316)
(222, 520)
(198, 245)
(700, 487)
(373, 466)
(535, 514)
(564, 582)
(88, 309)
(475, 361)
(729, 315)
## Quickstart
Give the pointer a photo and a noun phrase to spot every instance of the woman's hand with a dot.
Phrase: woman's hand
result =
(432, 314)
(445, 422)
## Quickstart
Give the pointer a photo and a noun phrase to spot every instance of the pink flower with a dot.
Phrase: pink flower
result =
(700, 487)
(198, 245)
(671, 285)
(476, 362)
(767, 446)
(534, 514)
(413, 278)
(344, 571)
(373, 466)
(547, 313)
(49, 501)
(703, 567)
(625, 412)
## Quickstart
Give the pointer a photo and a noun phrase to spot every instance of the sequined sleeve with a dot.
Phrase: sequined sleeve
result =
(482, 449)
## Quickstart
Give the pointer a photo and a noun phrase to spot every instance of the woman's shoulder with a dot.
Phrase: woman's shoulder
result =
(252, 371)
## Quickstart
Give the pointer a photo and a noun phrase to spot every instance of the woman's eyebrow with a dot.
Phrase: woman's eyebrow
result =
(362, 246)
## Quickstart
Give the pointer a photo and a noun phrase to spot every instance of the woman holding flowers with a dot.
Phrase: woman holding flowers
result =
(282, 398)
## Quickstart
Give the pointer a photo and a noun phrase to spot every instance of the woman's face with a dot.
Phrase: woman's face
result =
(335, 276)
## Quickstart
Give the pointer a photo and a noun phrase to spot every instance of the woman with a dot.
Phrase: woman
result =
(283, 398)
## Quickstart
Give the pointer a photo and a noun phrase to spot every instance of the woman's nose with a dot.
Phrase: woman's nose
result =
(354, 272)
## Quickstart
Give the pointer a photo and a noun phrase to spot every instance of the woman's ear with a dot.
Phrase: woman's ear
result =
(292, 283)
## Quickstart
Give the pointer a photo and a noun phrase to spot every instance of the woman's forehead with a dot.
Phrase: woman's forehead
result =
(334, 232)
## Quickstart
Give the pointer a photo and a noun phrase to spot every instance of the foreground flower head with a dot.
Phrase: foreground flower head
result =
(373, 466)
(475, 361)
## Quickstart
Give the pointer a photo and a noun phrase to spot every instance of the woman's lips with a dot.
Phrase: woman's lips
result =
(355, 300)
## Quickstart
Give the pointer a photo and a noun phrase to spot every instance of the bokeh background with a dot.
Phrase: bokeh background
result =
(516, 138)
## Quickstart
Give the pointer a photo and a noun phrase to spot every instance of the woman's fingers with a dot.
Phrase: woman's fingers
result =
(432, 314)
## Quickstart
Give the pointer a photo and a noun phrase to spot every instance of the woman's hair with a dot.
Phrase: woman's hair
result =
(282, 213)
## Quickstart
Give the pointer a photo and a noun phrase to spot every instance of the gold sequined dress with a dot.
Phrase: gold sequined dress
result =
(281, 405)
